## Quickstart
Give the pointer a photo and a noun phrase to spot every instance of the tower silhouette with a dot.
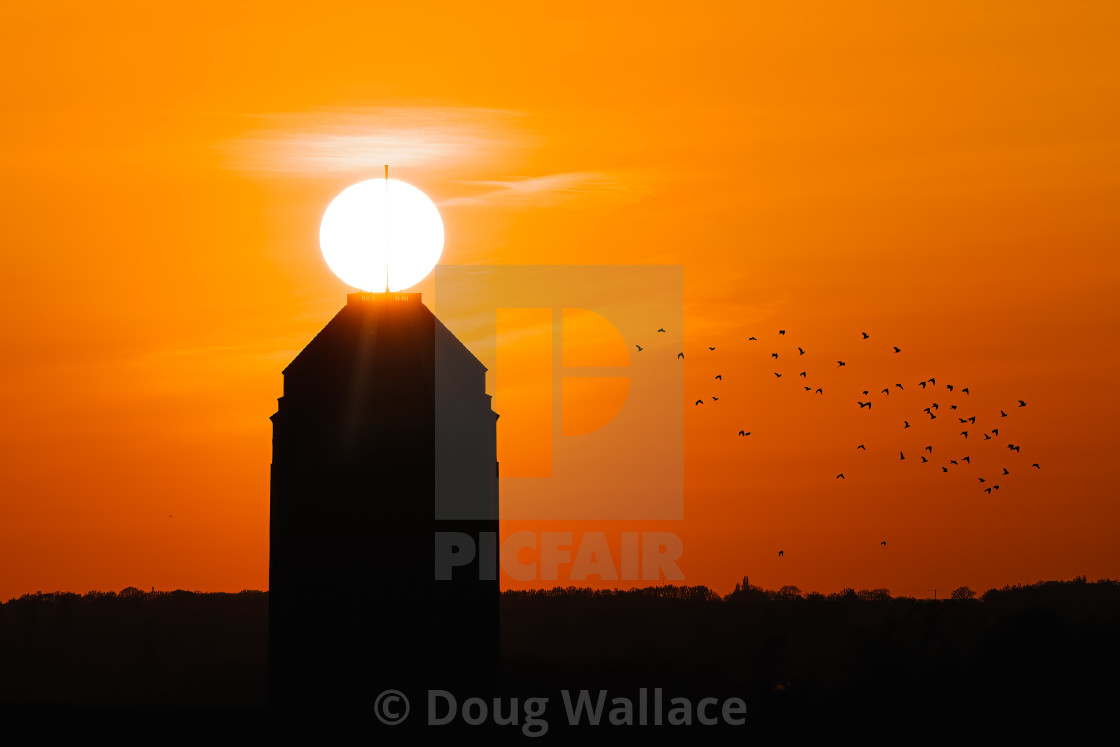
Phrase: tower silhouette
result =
(383, 439)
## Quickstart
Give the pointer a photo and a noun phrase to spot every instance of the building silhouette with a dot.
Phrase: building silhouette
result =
(384, 436)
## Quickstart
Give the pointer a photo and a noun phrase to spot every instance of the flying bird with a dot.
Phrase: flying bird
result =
(680, 355)
(965, 390)
(780, 553)
(886, 391)
(781, 331)
(861, 446)
(639, 347)
(963, 420)
(841, 363)
(883, 543)
(952, 407)
(987, 437)
(751, 338)
(840, 476)
(865, 404)
(995, 431)
(924, 460)
(953, 461)
(719, 376)
(661, 330)
(865, 392)
(1002, 414)
(949, 387)
(901, 456)
(773, 355)
(808, 388)
(972, 419)
(929, 449)
(898, 350)
(699, 402)
(711, 348)
(777, 374)
(988, 491)
(964, 433)
(1005, 471)
(865, 335)
(934, 406)
(744, 433)
(905, 423)
(981, 479)
(899, 386)
(966, 459)
(800, 351)
(1022, 403)
(944, 469)
(1035, 465)
(819, 391)
(922, 384)
(802, 374)
(715, 399)
(932, 381)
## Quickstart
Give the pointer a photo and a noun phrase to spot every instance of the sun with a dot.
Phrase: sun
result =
(381, 232)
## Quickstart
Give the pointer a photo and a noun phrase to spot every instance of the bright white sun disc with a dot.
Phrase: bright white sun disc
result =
(380, 230)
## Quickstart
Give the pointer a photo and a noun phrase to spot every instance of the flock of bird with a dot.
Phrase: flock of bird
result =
(931, 412)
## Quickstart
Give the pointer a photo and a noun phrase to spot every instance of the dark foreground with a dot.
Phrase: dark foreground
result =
(1019, 655)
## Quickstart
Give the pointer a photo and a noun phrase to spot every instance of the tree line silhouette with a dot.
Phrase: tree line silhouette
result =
(1024, 649)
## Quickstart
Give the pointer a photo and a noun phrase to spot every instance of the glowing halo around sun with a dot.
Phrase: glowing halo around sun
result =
(381, 229)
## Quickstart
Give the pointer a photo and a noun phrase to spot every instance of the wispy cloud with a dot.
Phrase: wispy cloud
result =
(361, 140)
(454, 141)
(551, 189)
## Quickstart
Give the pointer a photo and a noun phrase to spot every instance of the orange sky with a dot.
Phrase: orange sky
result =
(944, 177)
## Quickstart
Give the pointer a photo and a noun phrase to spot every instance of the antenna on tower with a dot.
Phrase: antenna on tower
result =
(386, 227)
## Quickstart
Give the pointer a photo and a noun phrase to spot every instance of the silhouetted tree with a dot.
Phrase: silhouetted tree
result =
(963, 592)
(789, 592)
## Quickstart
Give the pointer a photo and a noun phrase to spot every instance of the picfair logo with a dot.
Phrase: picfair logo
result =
(582, 363)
